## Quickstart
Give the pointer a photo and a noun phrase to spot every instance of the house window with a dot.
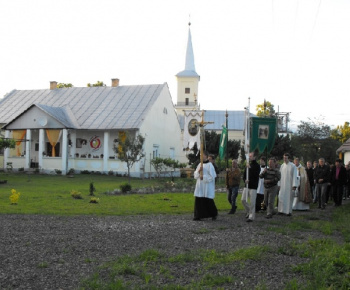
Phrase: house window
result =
(187, 101)
(49, 149)
(172, 153)
(187, 90)
(155, 151)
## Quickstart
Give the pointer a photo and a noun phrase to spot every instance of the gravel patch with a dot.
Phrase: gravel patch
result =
(56, 252)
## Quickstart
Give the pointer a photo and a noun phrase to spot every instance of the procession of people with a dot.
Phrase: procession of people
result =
(294, 186)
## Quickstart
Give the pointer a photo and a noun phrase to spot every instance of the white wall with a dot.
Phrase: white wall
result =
(161, 127)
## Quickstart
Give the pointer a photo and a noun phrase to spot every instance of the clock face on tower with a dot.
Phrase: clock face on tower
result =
(193, 127)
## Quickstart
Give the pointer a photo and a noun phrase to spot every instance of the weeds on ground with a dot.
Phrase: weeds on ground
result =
(14, 197)
(151, 268)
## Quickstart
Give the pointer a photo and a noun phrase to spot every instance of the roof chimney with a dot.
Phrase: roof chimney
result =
(53, 85)
(115, 82)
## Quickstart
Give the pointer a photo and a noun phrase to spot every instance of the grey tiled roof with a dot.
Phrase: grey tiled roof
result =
(122, 107)
(62, 114)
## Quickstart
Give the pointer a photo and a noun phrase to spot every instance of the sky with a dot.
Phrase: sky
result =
(293, 53)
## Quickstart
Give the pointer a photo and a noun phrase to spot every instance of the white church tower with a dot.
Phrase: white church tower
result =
(187, 82)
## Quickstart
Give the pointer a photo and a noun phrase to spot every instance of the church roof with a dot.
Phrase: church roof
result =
(122, 107)
(235, 120)
(190, 70)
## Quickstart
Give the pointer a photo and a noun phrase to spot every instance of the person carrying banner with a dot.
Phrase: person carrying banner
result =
(204, 206)
(271, 177)
(260, 204)
(249, 192)
(288, 184)
(233, 177)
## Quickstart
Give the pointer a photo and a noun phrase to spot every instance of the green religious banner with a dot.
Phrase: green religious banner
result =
(223, 143)
(263, 134)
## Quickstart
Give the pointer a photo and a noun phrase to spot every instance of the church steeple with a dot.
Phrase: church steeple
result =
(190, 70)
(187, 81)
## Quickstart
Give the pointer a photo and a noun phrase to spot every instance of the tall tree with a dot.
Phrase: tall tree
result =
(341, 133)
(282, 145)
(313, 141)
(266, 109)
(130, 150)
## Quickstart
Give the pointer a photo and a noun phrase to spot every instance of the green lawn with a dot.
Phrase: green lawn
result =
(51, 194)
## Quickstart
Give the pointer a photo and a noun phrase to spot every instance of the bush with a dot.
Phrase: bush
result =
(14, 197)
(110, 172)
(85, 172)
(76, 194)
(21, 169)
(94, 200)
(58, 171)
(92, 188)
(125, 187)
(183, 175)
(71, 171)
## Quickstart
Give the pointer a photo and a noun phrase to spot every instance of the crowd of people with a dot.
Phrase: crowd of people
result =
(272, 188)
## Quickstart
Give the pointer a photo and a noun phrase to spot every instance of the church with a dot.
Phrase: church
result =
(59, 129)
(187, 101)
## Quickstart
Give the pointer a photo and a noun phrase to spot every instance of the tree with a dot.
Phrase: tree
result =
(97, 84)
(266, 109)
(7, 143)
(313, 141)
(173, 165)
(64, 85)
(341, 133)
(130, 150)
(162, 164)
(212, 143)
(282, 145)
(158, 164)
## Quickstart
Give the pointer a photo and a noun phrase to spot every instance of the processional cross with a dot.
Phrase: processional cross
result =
(202, 138)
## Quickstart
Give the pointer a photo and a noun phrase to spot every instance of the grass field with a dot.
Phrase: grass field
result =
(51, 194)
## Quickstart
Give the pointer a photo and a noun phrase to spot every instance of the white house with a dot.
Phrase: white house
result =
(79, 127)
(344, 151)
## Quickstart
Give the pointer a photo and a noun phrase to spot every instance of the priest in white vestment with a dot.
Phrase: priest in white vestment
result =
(288, 184)
(204, 192)
(302, 196)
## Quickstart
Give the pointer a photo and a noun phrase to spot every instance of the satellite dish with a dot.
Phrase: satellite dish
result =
(42, 121)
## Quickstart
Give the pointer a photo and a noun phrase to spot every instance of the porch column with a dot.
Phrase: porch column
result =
(73, 138)
(28, 148)
(41, 147)
(105, 151)
(64, 151)
(7, 150)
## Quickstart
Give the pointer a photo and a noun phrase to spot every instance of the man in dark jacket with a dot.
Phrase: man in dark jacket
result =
(338, 177)
(310, 177)
(322, 178)
(249, 192)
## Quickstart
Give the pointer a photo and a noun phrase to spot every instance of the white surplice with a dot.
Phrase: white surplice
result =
(205, 187)
(288, 181)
